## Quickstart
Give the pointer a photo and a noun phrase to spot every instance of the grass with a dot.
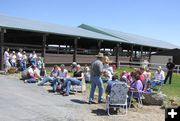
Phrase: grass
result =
(172, 91)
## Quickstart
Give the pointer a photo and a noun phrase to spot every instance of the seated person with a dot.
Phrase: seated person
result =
(110, 83)
(147, 76)
(75, 80)
(63, 74)
(136, 86)
(158, 77)
(33, 75)
(52, 78)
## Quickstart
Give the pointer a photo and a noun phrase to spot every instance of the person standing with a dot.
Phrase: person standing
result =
(170, 66)
(19, 59)
(96, 72)
(6, 60)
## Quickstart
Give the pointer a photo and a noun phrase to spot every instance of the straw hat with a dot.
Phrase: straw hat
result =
(100, 55)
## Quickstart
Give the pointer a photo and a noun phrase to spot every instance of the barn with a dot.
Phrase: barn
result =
(62, 44)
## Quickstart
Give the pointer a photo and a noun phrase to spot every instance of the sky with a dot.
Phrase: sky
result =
(158, 19)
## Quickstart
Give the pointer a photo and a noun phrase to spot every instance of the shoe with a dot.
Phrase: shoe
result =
(25, 81)
(101, 101)
(91, 102)
(65, 94)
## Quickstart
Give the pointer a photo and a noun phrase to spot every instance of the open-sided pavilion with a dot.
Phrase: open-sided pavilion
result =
(70, 44)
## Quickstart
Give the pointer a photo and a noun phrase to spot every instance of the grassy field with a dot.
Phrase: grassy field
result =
(172, 91)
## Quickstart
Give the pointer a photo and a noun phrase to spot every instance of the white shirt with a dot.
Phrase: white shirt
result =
(63, 74)
(33, 56)
(159, 76)
(6, 56)
(13, 58)
(24, 57)
(19, 56)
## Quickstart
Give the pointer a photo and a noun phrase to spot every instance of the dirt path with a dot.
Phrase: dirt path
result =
(29, 102)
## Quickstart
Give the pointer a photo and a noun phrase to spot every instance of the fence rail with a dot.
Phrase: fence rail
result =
(150, 65)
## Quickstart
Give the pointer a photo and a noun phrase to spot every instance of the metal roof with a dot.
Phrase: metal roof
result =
(131, 38)
(36, 26)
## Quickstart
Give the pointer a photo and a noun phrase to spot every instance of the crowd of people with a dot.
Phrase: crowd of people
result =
(100, 71)
(21, 60)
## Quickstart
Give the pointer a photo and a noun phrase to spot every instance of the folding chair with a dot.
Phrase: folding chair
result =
(117, 97)
(139, 97)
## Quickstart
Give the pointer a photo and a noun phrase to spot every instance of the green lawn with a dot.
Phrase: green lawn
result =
(171, 91)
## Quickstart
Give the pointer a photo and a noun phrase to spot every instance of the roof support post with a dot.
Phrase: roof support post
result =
(1, 48)
(150, 53)
(131, 56)
(117, 54)
(75, 49)
(44, 39)
(99, 45)
(141, 52)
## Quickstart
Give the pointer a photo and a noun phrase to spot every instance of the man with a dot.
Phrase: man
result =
(170, 66)
(96, 72)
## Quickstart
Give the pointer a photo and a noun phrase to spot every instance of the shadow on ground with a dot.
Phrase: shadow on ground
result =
(78, 101)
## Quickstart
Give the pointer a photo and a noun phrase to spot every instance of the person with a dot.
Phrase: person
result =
(19, 59)
(63, 74)
(6, 60)
(39, 63)
(158, 77)
(96, 72)
(52, 78)
(170, 66)
(13, 59)
(33, 58)
(73, 66)
(75, 80)
(110, 83)
(34, 75)
(136, 86)
(147, 75)
(24, 61)
(87, 74)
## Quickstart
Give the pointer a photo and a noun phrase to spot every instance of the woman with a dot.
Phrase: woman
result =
(6, 60)
(75, 80)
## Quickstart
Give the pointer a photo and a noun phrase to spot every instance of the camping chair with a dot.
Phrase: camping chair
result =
(139, 97)
(79, 88)
(117, 97)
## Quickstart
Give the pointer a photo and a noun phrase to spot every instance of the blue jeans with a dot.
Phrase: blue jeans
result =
(154, 83)
(68, 82)
(52, 80)
(31, 80)
(96, 81)
(24, 66)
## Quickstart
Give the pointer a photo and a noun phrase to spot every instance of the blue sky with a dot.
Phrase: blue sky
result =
(159, 19)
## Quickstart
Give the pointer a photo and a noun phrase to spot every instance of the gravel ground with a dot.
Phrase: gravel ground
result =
(29, 102)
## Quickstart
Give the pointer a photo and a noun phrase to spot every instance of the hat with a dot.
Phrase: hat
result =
(159, 68)
(100, 55)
